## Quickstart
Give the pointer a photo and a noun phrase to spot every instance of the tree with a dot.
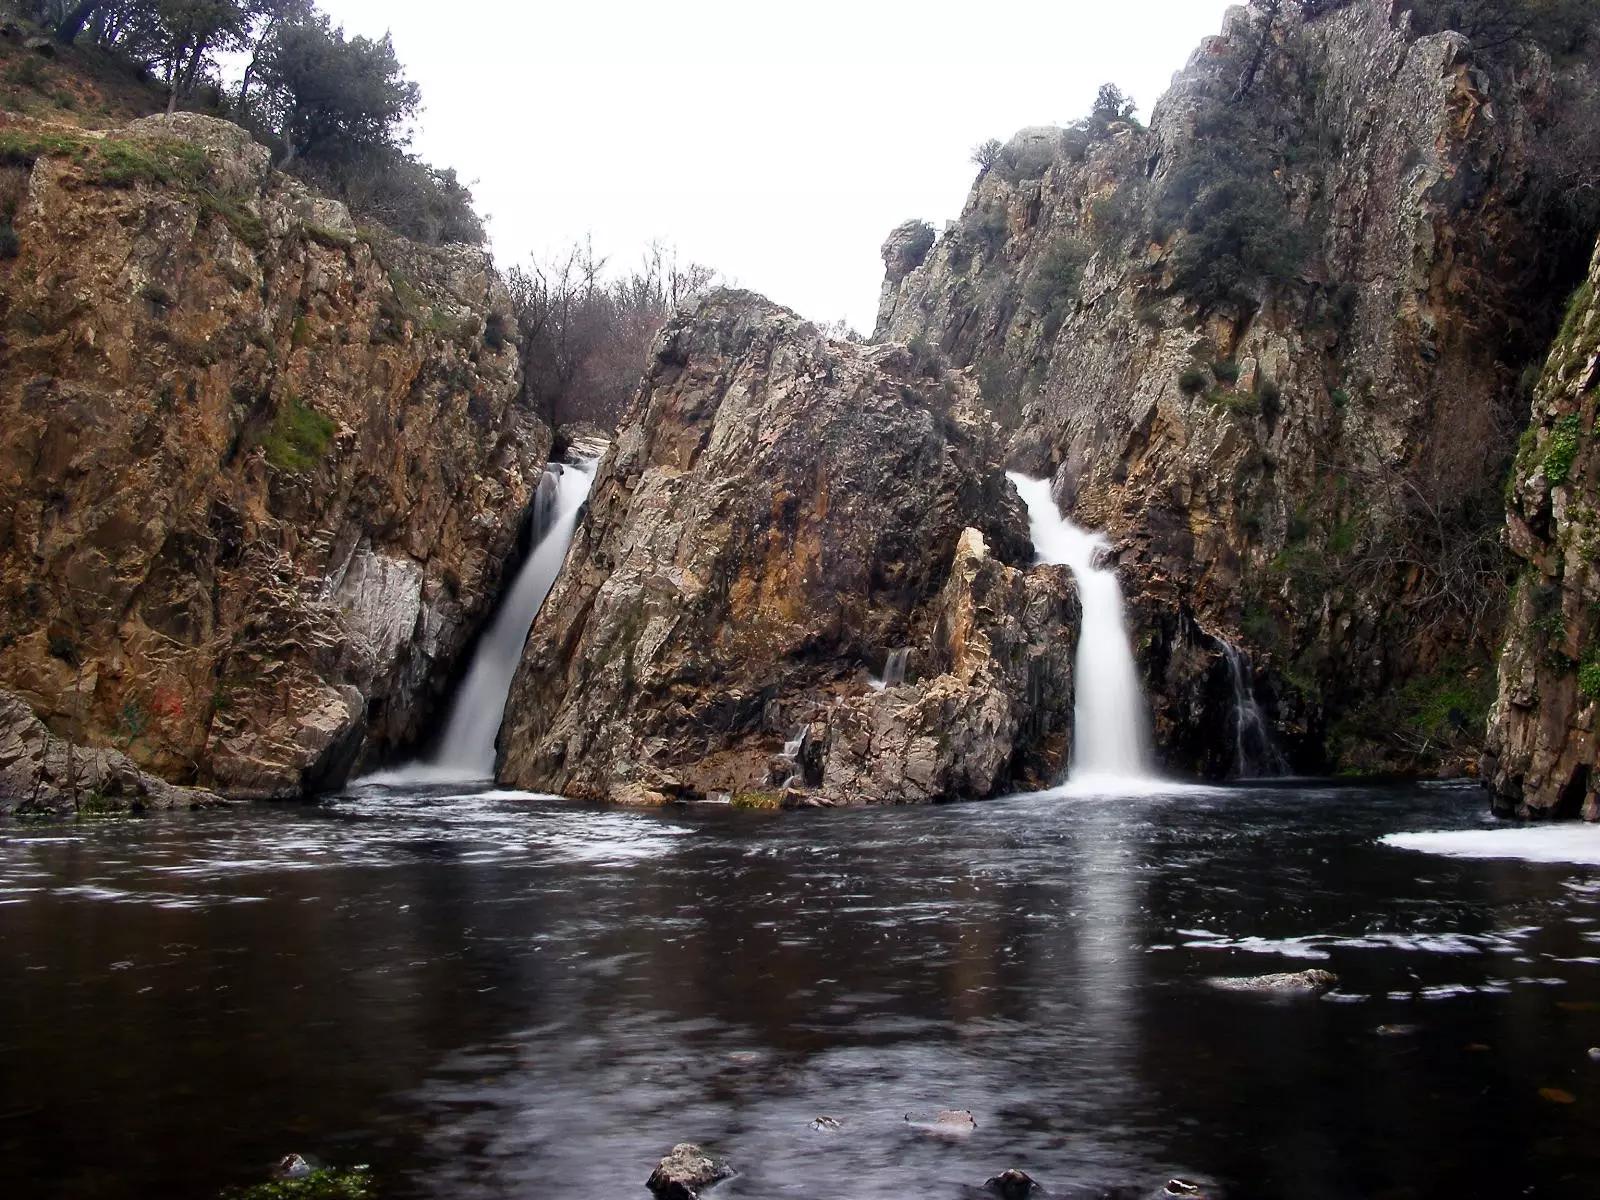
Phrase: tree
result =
(1560, 26)
(331, 97)
(1111, 104)
(986, 154)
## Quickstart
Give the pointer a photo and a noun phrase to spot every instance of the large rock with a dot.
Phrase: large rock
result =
(779, 514)
(1543, 749)
(1307, 467)
(262, 473)
(43, 774)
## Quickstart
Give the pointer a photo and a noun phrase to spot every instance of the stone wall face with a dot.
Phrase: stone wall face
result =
(262, 470)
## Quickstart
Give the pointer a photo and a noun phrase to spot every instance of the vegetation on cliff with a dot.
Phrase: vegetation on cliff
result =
(334, 109)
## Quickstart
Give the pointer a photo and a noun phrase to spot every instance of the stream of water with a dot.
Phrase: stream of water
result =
(484, 994)
(1110, 735)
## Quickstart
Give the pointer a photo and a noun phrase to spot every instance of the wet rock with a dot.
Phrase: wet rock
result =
(779, 512)
(1283, 983)
(947, 1122)
(1012, 1184)
(826, 1125)
(1594, 1053)
(685, 1172)
(294, 1166)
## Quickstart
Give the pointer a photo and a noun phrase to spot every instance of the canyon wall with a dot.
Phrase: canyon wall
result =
(1542, 748)
(262, 470)
(1275, 345)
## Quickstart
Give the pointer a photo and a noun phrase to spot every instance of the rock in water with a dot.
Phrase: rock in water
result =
(684, 1172)
(780, 512)
(1286, 982)
(1012, 1184)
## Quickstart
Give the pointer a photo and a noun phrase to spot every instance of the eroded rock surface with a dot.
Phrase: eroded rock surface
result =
(43, 774)
(1543, 751)
(778, 515)
(261, 473)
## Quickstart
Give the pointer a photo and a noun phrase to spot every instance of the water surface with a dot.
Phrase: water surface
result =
(487, 995)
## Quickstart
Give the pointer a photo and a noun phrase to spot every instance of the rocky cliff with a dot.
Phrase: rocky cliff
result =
(1272, 344)
(1542, 748)
(780, 514)
(262, 469)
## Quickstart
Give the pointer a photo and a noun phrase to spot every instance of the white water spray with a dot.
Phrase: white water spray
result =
(466, 751)
(1109, 743)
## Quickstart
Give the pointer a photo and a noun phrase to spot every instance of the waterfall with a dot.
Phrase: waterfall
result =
(1109, 723)
(466, 751)
(1255, 754)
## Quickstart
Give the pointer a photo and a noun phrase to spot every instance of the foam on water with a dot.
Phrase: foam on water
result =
(1569, 842)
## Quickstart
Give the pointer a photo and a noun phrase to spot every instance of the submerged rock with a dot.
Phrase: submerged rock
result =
(1284, 982)
(685, 1172)
(1012, 1184)
(947, 1122)
(779, 513)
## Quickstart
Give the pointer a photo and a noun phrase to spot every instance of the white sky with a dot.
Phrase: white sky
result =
(778, 144)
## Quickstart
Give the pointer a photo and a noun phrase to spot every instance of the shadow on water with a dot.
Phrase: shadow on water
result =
(488, 994)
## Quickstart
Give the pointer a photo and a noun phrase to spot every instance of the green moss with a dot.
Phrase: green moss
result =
(1589, 679)
(1577, 308)
(1561, 449)
(326, 1184)
(757, 800)
(299, 438)
(109, 162)
(1448, 699)
(243, 223)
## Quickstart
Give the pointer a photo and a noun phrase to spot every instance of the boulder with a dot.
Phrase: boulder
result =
(685, 1172)
(1288, 982)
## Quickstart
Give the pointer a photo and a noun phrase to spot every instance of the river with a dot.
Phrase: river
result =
(489, 995)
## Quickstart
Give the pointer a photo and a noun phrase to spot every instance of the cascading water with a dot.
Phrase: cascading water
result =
(1255, 754)
(466, 751)
(1109, 744)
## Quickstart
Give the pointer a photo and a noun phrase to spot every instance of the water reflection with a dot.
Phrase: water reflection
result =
(482, 993)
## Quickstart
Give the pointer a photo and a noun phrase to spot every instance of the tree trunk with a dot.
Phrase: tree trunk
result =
(72, 24)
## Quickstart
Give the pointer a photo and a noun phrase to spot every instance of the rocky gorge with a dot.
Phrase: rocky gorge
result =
(270, 470)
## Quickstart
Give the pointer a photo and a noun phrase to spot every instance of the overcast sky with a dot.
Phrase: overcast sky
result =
(777, 143)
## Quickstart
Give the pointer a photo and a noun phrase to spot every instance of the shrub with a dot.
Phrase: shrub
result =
(1057, 279)
(298, 438)
(1270, 397)
(1589, 679)
(1192, 382)
(1561, 449)
(10, 243)
(1226, 371)
(986, 154)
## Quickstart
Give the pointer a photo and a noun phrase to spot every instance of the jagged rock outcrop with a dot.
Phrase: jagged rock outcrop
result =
(262, 469)
(43, 774)
(1272, 345)
(779, 513)
(1543, 751)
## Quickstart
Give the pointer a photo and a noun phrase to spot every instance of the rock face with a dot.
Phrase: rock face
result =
(41, 773)
(1271, 345)
(779, 514)
(262, 470)
(1542, 746)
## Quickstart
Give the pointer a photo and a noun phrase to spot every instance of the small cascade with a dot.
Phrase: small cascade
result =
(894, 670)
(1110, 739)
(1255, 754)
(466, 750)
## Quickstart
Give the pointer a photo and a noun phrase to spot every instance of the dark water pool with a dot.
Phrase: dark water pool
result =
(492, 996)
